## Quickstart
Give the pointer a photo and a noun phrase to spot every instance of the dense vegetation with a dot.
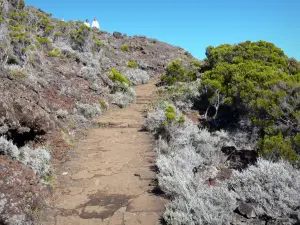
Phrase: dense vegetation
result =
(255, 84)
(248, 99)
(257, 80)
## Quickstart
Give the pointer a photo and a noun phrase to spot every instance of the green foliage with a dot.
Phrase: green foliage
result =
(132, 64)
(275, 147)
(97, 44)
(18, 73)
(181, 119)
(18, 4)
(296, 142)
(171, 116)
(115, 75)
(256, 80)
(293, 66)
(262, 52)
(44, 23)
(55, 53)
(125, 48)
(57, 34)
(49, 180)
(103, 104)
(19, 34)
(61, 26)
(176, 72)
(154, 41)
(79, 35)
(196, 63)
(43, 40)
(20, 17)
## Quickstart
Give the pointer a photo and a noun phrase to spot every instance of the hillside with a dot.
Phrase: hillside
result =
(56, 76)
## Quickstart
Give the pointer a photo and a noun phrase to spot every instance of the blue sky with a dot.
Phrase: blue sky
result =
(191, 24)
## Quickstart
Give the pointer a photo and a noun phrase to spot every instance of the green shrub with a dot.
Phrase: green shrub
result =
(181, 119)
(79, 36)
(196, 63)
(57, 34)
(125, 48)
(176, 72)
(62, 26)
(97, 44)
(154, 41)
(48, 30)
(275, 147)
(103, 104)
(262, 52)
(170, 114)
(18, 4)
(20, 17)
(132, 64)
(20, 39)
(19, 34)
(18, 73)
(255, 82)
(45, 23)
(43, 40)
(115, 75)
(55, 53)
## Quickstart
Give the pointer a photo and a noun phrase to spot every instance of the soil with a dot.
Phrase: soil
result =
(109, 177)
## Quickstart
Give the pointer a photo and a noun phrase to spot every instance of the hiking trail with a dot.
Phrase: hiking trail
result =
(110, 174)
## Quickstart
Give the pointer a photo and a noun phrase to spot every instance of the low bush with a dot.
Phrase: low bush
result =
(97, 44)
(89, 110)
(78, 36)
(57, 34)
(125, 48)
(272, 188)
(36, 159)
(124, 98)
(176, 72)
(44, 42)
(18, 73)
(55, 53)
(137, 76)
(115, 75)
(196, 63)
(132, 64)
(276, 148)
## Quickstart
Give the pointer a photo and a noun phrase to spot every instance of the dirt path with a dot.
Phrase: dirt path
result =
(109, 177)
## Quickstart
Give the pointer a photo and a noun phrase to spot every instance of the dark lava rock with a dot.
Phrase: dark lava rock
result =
(240, 159)
(246, 210)
(117, 35)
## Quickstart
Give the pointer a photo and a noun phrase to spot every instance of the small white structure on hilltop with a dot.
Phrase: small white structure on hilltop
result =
(95, 24)
(87, 23)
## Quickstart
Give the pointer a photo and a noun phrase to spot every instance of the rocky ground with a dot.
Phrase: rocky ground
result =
(109, 178)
